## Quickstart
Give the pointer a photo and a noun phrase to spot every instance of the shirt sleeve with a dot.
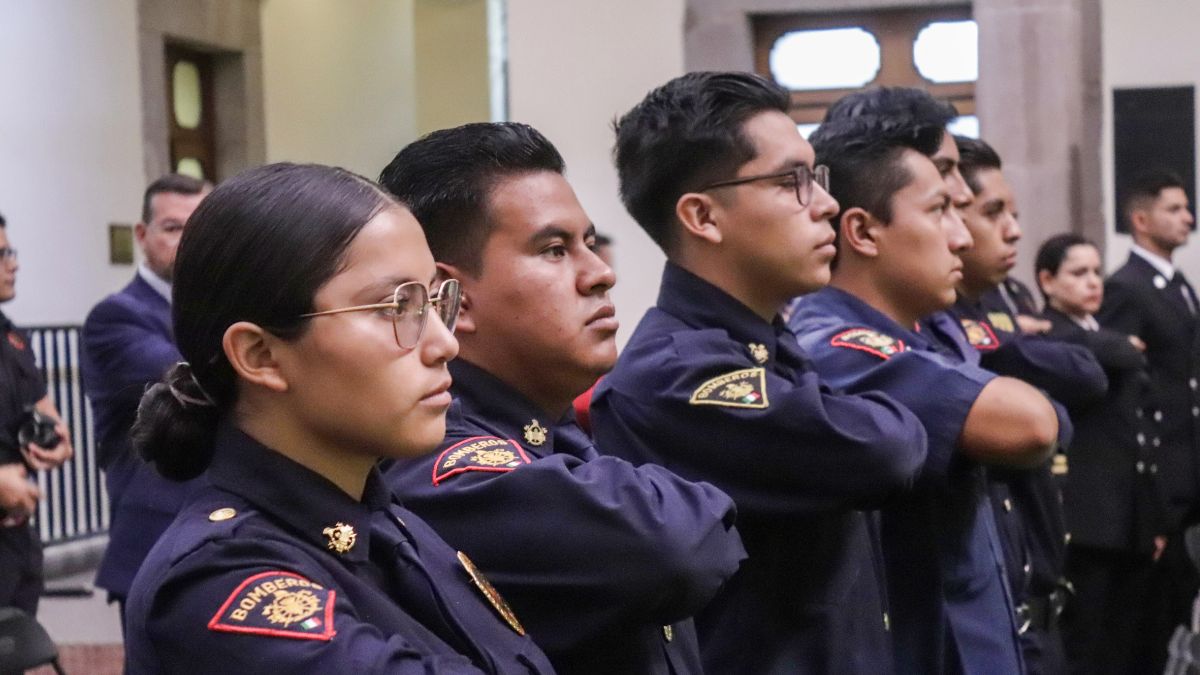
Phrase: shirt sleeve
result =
(780, 443)
(1069, 373)
(615, 543)
(218, 612)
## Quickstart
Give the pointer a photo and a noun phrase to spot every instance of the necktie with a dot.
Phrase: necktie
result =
(1189, 297)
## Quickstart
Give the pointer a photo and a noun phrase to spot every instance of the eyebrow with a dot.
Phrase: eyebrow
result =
(388, 284)
(553, 231)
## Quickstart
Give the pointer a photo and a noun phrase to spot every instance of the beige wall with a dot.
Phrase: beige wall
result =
(1146, 44)
(451, 57)
(572, 68)
(70, 149)
(339, 82)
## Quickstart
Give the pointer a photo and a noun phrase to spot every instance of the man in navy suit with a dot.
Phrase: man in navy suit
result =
(1150, 298)
(127, 344)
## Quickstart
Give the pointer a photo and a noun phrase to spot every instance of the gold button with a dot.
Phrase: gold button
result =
(668, 633)
(887, 621)
(1007, 505)
(222, 514)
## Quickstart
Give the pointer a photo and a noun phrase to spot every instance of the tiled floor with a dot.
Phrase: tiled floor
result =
(87, 630)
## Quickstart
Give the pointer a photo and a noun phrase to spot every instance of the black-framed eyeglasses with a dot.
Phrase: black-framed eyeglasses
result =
(802, 176)
(409, 309)
(8, 255)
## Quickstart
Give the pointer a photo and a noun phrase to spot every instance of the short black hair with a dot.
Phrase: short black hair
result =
(446, 177)
(865, 158)
(900, 103)
(175, 183)
(2, 221)
(683, 135)
(603, 240)
(974, 156)
(1147, 187)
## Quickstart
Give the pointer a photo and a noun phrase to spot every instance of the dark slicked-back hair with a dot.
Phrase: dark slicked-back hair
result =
(2, 221)
(974, 156)
(445, 178)
(864, 155)
(175, 183)
(915, 106)
(1141, 193)
(683, 135)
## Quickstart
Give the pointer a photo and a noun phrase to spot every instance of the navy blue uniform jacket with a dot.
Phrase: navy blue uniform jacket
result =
(127, 345)
(248, 579)
(711, 391)
(598, 557)
(1139, 301)
(951, 607)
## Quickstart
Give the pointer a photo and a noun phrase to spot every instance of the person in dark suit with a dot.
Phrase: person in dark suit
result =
(1148, 297)
(127, 344)
(1110, 495)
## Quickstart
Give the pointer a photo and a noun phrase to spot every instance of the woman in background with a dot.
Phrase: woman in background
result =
(301, 302)
(1110, 497)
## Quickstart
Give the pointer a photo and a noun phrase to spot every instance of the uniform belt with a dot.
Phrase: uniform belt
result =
(1041, 612)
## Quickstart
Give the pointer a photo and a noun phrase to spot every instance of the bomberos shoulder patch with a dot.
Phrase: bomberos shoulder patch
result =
(479, 453)
(746, 388)
(278, 604)
(980, 335)
(869, 341)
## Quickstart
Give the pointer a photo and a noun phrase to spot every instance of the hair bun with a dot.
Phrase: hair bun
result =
(176, 425)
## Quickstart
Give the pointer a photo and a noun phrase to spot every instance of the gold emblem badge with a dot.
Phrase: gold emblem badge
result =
(341, 537)
(746, 388)
(759, 352)
(489, 591)
(222, 514)
(1001, 321)
(980, 335)
(535, 434)
(288, 607)
(869, 341)
(494, 457)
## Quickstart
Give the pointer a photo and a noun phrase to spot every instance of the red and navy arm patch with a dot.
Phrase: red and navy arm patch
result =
(869, 341)
(278, 604)
(479, 453)
(980, 335)
(746, 388)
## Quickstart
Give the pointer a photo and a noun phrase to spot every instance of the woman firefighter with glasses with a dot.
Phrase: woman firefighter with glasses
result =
(301, 303)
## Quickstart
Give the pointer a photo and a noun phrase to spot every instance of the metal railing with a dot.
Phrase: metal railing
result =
(75, 502)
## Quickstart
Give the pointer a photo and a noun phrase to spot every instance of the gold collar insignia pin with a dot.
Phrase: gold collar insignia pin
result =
(341, 537)
(759, 352)
(535, 434)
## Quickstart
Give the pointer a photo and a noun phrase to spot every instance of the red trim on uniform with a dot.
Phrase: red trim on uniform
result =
(438, 478)
(837, 342)
(327, 635)
(16, 340)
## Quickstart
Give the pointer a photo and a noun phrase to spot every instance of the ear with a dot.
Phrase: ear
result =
(139, 233)
(858, 231)
(1044, 278)
(1138, 221)
(466, 321)
(697, 213)
(250, 351)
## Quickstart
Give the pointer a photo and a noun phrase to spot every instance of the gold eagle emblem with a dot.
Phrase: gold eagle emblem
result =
(341, 537)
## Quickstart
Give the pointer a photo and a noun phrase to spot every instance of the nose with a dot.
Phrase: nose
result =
(1012, 230)
(822, 205)
(438, 345)
(958, 238)
(960, 193)
(595, 276)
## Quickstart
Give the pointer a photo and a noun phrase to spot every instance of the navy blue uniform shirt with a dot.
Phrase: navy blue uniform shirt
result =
(274, 569)
(605, 562)
(713, 392)
(951, 607)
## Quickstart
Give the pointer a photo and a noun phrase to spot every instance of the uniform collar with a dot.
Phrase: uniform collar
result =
(486, 396)
(851, 309)
(1159, 263)
(6, 324)
(700, 304)
(305, 501)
